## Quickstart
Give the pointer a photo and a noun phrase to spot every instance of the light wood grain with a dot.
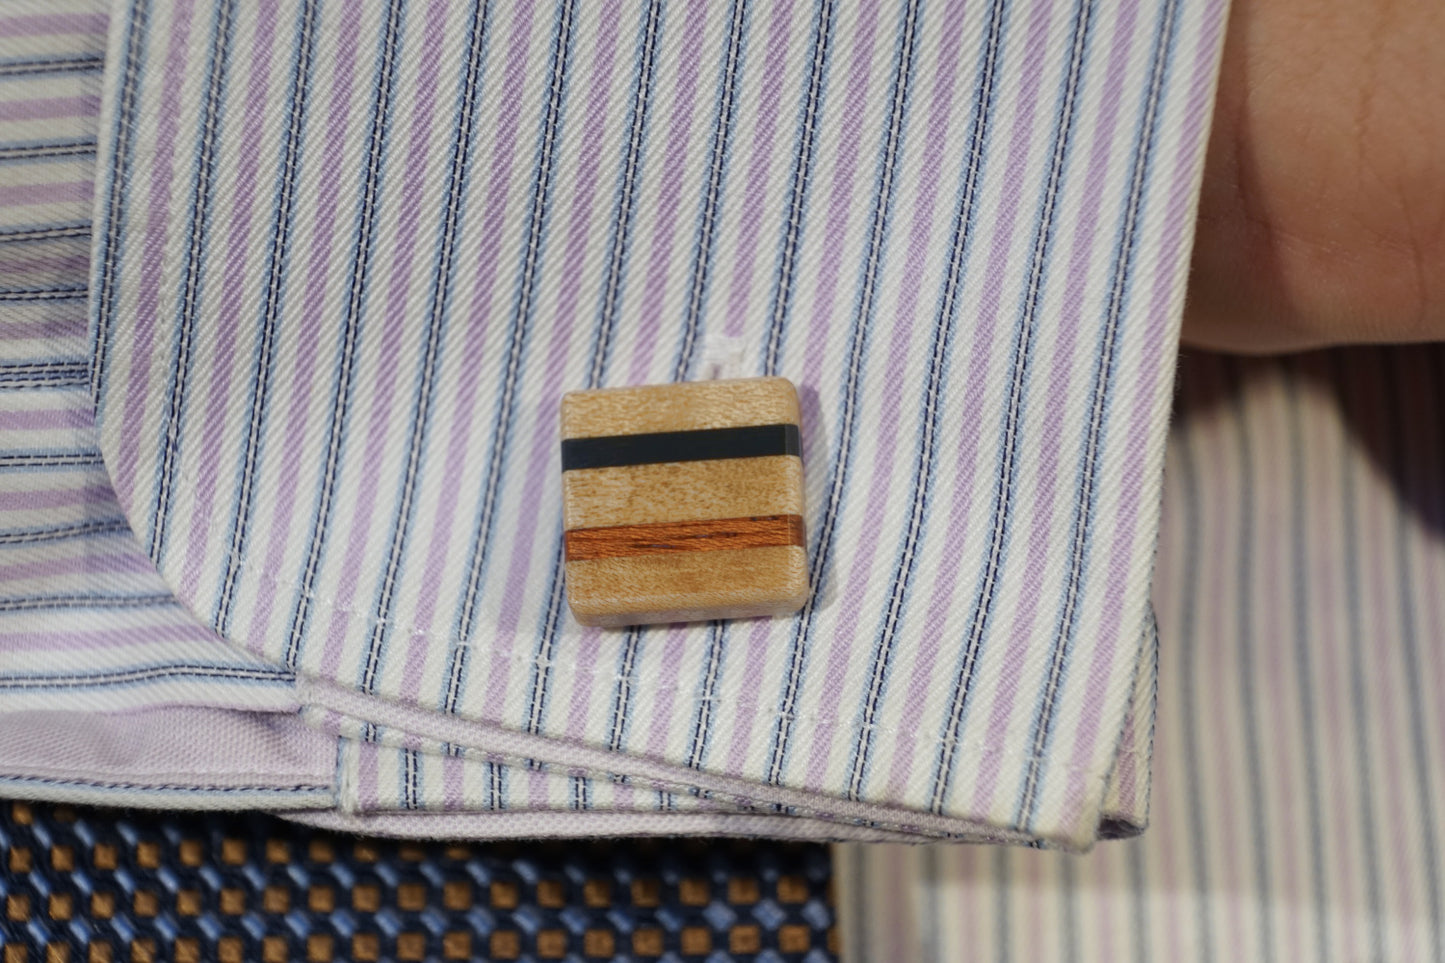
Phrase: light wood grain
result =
(726, 584)
(682, 491)
(688, 406)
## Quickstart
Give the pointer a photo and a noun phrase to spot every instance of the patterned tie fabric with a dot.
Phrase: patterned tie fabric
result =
(1299, 759)
(290, 505)
(82, 884)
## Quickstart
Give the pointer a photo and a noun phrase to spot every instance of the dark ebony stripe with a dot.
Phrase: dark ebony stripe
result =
(707, 444)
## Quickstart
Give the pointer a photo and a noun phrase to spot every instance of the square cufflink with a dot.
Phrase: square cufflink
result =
(683, 502)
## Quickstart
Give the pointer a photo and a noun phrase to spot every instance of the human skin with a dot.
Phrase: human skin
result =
(1322, 214)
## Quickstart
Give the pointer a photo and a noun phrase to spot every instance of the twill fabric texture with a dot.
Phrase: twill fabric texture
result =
(110, 688)
(345, 258)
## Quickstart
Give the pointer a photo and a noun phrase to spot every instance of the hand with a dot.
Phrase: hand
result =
(1322, 218)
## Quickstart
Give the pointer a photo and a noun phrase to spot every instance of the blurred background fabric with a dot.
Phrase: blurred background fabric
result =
(1299, 757)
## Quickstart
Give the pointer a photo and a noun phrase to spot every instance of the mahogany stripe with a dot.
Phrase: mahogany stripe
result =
(666, 538)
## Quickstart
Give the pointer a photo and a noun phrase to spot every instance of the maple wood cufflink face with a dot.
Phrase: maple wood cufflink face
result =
(683, 502)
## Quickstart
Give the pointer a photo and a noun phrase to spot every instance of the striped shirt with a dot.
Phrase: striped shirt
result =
(339, 261)
(1299, 757)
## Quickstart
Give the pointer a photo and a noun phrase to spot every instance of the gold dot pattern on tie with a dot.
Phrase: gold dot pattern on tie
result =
(79, 884)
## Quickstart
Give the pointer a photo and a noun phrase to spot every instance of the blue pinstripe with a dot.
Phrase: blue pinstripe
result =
(621, 723)
(139, 674)
(622, 692)
(618, 247)
(546, 635)
(117, 178)
(408, 776)
(1044, 234)
(178, 790)
(32, 66)
(1358, 675)
(995, 30)
(443, 273)
(862, 321)
(31, 603)
(945, 318)
(1244, 637)
(697, 288)
(521, 320)
(189, 294)
(707, 687)
(619, 242)
(1018, 395)
(1401, 455)
(41, 152)
(712, 197)
(782, 299)
(64, 292)
(351, 321)
(1299, 597)
(276, 277)
(39, 460)
(1188, 693)
(44, 232)
(44, 374)
(85, 529)
(1107, 359)
(438, 313)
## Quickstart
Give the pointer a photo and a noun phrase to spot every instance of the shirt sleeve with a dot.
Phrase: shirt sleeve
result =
(347, 257)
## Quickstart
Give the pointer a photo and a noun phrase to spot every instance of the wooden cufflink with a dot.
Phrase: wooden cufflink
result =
(683, 502)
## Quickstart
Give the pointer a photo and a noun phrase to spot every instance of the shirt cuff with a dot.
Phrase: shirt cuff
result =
(345, 262)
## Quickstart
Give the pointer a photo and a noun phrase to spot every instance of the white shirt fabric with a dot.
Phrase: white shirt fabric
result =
(344, 259)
